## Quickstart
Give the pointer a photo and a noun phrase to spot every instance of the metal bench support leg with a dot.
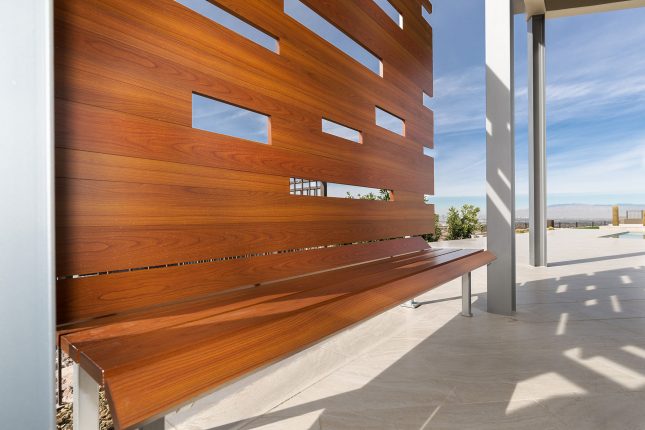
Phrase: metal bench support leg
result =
(159, 424)
(411, 304)
(465, 295)
(86, 401)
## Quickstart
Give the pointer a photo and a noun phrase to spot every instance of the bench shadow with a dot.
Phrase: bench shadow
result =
(447, 299)
(543, 367)
(595, 259)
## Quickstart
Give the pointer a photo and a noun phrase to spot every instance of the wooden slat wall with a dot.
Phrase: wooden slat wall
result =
(131, 291)
(137, 186)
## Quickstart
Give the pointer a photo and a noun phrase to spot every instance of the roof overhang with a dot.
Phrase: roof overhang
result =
(560, 8)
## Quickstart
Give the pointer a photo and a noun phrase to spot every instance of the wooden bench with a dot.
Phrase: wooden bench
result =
(155, 360)
(187, 258)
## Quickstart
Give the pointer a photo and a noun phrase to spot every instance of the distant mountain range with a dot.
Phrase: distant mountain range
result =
(580, 211)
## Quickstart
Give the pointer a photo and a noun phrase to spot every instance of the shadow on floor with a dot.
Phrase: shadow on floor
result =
(577, 362)
(595, 259)
(447, 299)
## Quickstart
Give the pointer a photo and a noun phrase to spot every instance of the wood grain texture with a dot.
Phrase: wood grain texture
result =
(125, 72)
(84, 298)
(238, 309)
(95, 166)
(139, 224)
(266, 84)
(147, 373)
(83, 334)
(147, 203)
(87, 128)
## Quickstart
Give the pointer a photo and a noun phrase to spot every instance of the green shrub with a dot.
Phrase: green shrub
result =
(462, 223)
(433, 237)
(382, 195)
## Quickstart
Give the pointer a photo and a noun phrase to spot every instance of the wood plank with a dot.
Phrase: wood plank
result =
(231, 306)
(204, 366)
(275, 340)
(82, 336)
(403, 53)
(403, 56)
(74, 164)
(91, 297)
(122, 204)
(116, 8)
(148, 26)
(420, 29)
(97, 249)
(94, 129)
(93, 64)
(288, 71)
(135, 56)
(110, 225)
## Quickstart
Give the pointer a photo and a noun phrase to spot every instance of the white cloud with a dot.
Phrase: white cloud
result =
(459, 101)
(595, 105)
(614, 169)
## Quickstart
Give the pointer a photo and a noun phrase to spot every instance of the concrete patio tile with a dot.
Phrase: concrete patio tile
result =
(524, 414)
(616, 411)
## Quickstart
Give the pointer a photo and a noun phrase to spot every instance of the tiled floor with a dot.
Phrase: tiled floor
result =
(573, 357)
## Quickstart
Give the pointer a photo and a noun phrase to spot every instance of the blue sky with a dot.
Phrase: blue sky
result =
(595, 106)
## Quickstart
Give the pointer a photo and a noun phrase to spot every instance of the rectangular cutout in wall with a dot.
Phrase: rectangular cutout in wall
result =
(307, 187)
(427, 100)
(339, 130)
(389, 122)
(312, 187)
(323, 28)
(356, 192)
(425, 13)
(224, 118)
(233, 23)
(428, 152)
(390, 11)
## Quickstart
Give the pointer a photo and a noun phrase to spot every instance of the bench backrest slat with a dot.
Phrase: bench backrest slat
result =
(95, 296)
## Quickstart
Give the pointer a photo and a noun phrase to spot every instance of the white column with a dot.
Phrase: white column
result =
(500, 155)
(27, 360)
(537, 140)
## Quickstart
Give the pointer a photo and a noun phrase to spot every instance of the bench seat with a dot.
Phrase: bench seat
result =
(155, 360)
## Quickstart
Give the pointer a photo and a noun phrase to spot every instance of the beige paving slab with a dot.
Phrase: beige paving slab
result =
(622, 411)
(525, 415)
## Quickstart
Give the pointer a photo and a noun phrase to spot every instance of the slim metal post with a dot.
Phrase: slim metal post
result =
(86, 401)
(466, 295)
(537, 141)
